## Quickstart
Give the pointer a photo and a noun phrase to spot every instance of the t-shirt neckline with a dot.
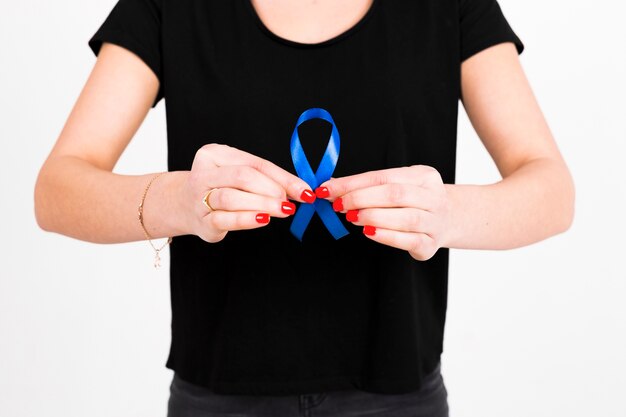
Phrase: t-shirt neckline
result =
(334, 39)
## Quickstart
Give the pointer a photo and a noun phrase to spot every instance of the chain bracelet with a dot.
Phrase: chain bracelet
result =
(157, 258)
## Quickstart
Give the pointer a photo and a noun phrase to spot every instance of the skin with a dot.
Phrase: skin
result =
(76, 193)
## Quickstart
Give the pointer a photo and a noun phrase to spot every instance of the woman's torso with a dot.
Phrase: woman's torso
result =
(261, 312)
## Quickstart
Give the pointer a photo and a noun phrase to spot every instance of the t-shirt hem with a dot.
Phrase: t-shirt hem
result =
(315, 385)
(473, 50)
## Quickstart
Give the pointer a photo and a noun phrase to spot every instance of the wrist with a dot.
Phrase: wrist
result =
(180, 217)
(168, 196)
(452, 231)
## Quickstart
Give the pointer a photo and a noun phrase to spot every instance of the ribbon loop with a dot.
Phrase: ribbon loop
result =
(324, 171)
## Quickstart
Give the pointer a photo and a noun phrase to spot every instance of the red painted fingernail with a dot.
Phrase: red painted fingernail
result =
(369, 230)
(263, 218)
(288, 207)
(307, 196)
(352, 215)
(322, 192)
(338, 204)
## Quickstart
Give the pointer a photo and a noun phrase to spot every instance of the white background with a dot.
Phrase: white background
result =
(538, 331)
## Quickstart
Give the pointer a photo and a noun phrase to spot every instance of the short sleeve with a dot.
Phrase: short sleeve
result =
(134, 25)
(482, 24)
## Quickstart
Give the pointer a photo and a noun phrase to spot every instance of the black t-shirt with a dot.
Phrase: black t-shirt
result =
(261, 312)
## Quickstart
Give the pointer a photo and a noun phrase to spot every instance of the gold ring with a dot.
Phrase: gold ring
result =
(205, 200)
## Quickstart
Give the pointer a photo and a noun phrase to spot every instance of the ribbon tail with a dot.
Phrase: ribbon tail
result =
(301, 220)
(330, 219)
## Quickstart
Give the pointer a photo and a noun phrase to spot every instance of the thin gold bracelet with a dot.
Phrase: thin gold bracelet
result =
(157, 258)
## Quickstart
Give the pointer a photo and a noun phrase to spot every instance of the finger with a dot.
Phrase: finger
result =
(231, 199)
(222, 221)
(416, 174)
(400, 219)
(420, 245)
(386, 195)
(296, 187)
(245, 178)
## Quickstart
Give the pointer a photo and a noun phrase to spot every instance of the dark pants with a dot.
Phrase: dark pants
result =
(188, 400)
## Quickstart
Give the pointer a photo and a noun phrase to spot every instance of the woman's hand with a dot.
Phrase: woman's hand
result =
(406, 208)
(249, 191)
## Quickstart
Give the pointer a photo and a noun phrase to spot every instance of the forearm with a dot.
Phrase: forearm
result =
(532, 204)
(77, 199)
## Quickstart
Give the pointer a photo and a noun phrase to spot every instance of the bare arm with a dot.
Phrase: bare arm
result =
(535, 198)
(77, 194)
(411, 208)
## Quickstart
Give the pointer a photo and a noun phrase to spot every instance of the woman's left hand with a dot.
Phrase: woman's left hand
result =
(406, 208)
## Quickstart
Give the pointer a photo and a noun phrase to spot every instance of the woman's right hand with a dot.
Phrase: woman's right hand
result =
(249, 190)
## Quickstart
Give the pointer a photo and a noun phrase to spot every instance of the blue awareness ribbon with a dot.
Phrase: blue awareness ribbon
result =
(305, 211)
